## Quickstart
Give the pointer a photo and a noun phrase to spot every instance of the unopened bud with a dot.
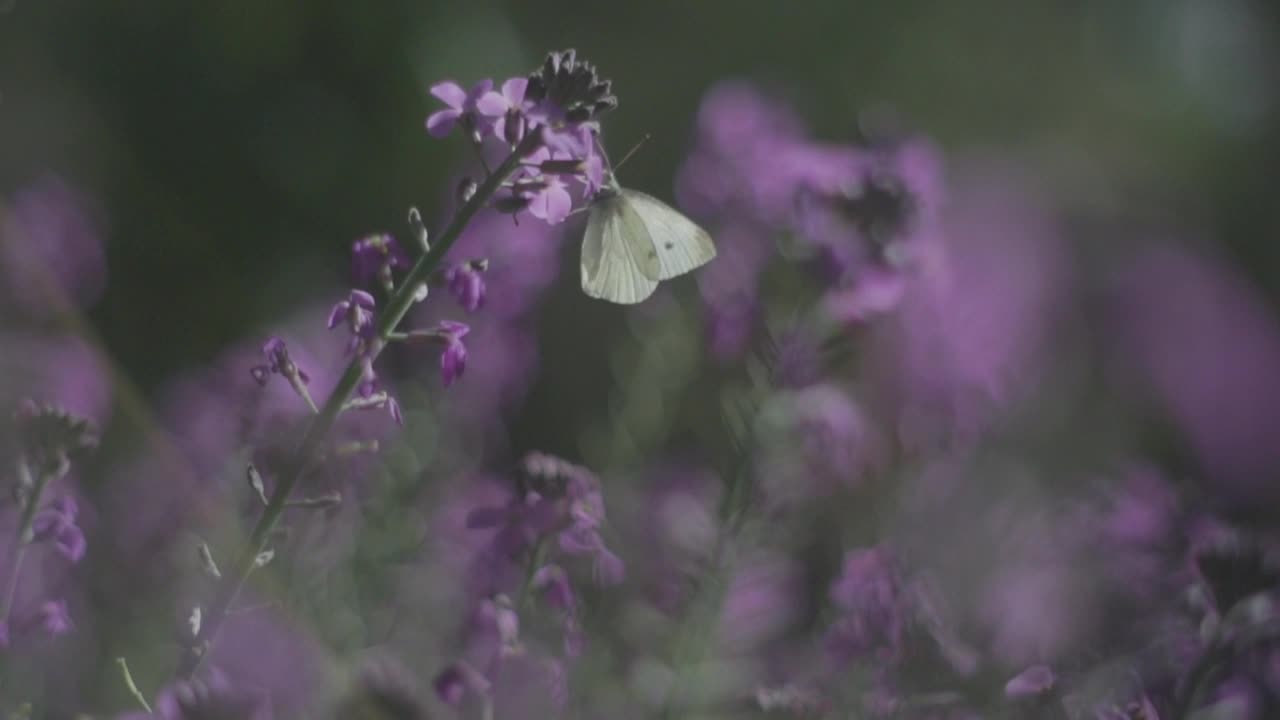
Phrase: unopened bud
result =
(206, 560)
(466, 190)
(419, 229)
(255, 482)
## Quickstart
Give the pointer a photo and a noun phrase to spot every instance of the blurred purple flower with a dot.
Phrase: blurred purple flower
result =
(213, 696)
(972, 329)
(56, 523)
(54, 617)
(1035, 680)
(55, 370)
(763, 599)
(873, 612)
(1205, 342)
(50, 247)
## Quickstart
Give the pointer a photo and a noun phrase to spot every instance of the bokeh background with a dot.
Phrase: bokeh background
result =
(226, 155)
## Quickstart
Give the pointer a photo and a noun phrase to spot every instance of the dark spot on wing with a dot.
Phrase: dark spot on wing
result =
(653, 253)
(668, 245)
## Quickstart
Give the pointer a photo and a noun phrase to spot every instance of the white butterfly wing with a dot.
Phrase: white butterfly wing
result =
(677, 242)
(618, 259)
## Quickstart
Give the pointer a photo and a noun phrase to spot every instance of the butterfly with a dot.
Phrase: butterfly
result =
(634, 241)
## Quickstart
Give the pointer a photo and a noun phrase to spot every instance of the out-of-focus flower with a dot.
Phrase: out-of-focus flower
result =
(50, 247)
(873, 611)
(54, 617)
(56, 523)
(1195, 333)
(1035, 680)
(819, 431)
(65, 372)
(971, 332)
(763, 598)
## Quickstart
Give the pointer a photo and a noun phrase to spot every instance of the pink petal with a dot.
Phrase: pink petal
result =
(450, 93)
(440, 124)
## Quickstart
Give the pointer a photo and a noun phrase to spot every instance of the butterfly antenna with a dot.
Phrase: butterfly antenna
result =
(647, 137)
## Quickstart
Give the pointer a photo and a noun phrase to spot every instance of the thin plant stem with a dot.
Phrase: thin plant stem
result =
(130, 685)
(398, 305)
(24, 533)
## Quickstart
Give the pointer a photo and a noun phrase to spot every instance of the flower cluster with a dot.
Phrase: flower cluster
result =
(863, 215)
(49, 439)
(558, 515)
(561, 103)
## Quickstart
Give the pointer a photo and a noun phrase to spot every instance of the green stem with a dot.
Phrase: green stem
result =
(130, 685)
(24, 533)
(397, 307)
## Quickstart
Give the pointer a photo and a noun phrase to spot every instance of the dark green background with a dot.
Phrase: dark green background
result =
(237, 148)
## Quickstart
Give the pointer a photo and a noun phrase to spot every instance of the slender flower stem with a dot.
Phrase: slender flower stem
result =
(24, 534)
(130, 685)
(397, 307)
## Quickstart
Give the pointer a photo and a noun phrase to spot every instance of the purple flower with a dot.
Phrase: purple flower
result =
(357, 312)
(374, 257)
(54, 618)
(461, 108)
(553, 581)
(57, 524)
(279, 363)
(504, 110)
(466, 284)
(49, 240)
(545, 196)
(1035, 680)
(211, 697)
(453, 360)
(451, 685)
(874, 613)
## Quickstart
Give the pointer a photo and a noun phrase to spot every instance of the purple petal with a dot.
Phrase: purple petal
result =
(337, 314)
(552, 205)
(450, 93)
(440, 123)
(493, 105)
(363, 299)
(480, 89)
(513, 90)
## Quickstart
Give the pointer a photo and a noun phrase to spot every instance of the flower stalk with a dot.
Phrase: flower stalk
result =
(229, 589)
(35, 488)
